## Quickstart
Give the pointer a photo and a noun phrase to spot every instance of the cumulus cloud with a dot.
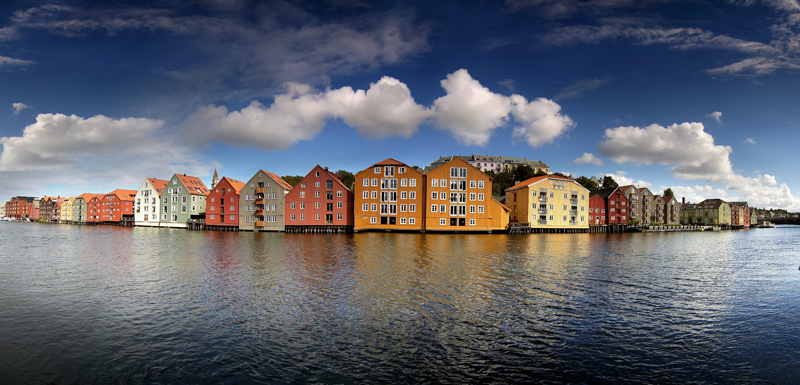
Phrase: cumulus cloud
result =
(694, 155)
(385, 109)
(18, 107)
(686, 146)
(699, 193)
(588, 158)
(717, 116)
(622, 179)
(98, 150)
(471, 112)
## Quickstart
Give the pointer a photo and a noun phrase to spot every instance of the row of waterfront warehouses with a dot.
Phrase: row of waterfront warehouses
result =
(387, 196)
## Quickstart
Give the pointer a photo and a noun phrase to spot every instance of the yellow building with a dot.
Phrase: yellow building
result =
(549, 202)
(459, 198)
(66, 210)
(388, 195)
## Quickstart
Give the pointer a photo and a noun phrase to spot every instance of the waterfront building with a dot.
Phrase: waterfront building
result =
(33, 209)
(223, 203)
(549, 202)
(642, 209)
(262, 203)
(147, 209)
(669, 209)
(740, 214)
(184, 199)
(320, 202)
(50, 208)
(118, 206)
(80, 207)
(94, 208)
(458, 197)
(708, 212)
(19, 207)
(608, 206)
(66, 210)
(3, 206)
(494, 163)
(389, 195)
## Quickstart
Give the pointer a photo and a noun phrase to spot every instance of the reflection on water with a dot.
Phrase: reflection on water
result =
(107, 304)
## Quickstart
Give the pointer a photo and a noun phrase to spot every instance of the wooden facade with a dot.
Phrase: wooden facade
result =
(549, 202)
(262, 203)
(321, 201)
(459, 198)
(223, 204)
(389, 195)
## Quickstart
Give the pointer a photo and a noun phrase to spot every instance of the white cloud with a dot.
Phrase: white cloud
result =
(587, 158)
(471, 112)
(623, 180)
(8, 33)
(686, 146)
(695, 156)
(18, 107)
(385, 109)
(72, 150)
(750, 140)
(699, 193)
(717, 116)
(11, 62)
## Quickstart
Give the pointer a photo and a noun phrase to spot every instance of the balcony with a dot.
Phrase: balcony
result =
(573, 201)
(542, 211)
(543, 199)
(259, 212)
(260, 190)
(259, 223)
(542, 221)
(573, 223)
(260, 201)
(573, 212)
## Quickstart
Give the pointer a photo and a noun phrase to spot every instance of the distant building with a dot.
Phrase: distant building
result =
(608, 206)
(708, 212)
(148, 205)
(118, 205)
(184, 199)
(549, 202)
(80, 207)
(494, 163)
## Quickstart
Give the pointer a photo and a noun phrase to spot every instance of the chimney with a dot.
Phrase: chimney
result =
(326, 169)
(683, 200)
(516, 182)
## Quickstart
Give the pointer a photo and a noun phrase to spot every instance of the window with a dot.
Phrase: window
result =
(316, 194)
(454, 172)
(480, 209)
(316, 216)
(365, 207)
(373, 220)
(365, 195)
(480, 184)
(402, 221)
(291, 205)
(480, 197)
(374, 207)
(412, 195)
(552, 195)
(302, 205)
(472, 209)
(412, 182)
(434, 195)
(316, 205)
(462, 172)
(412, 208)
(471, 196)
(412, 221)
(339, 216)
(302, 217)
(403, 195)
(366, 182)
(377, 170)
(292, 217)
(403, 182)
(442, 182)
(472, 222)
(403, 208)
(442, 208)
(302, 194)
(442, 222)
(374, 195)
(434, 183)
(374, 182)
(212, 216)
(472, 184)
(434, 208)
(232, 217)
(183, 208)
(338, 193)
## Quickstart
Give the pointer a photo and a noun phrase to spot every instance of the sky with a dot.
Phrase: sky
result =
(698, 96)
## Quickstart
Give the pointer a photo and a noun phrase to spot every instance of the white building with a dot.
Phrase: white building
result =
(147, 208)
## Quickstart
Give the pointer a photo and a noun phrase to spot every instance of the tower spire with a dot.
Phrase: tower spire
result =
(215, 179)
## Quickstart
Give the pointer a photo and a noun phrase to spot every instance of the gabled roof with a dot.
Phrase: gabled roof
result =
(124, 195)
(626, 187)
(739, 203)
(277, 180)
(537, 179)
(603, 192)
(159, 184)
(465, 163)
(236, 185)
(193, 184)
(390, 162)
(88, 197)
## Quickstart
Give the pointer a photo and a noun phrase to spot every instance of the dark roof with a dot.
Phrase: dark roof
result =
(603, 192)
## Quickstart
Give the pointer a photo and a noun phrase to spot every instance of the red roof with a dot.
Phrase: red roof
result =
(534, 180)
(159, 184)
(88, 197)
(278, 180)
(235, 184)
(193, 184)
(124, 195)
(390, 162)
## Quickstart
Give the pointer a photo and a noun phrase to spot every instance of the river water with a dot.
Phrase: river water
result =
(120, 305)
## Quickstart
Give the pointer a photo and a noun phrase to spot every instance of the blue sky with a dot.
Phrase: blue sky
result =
(697, 96)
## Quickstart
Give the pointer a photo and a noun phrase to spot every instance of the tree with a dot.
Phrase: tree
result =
(523, 173)
(560, 174)
(347, 177)
(541, 173)
(589, 183)
(668, 193)
(292, 179)
(501, 181)
(609, 182)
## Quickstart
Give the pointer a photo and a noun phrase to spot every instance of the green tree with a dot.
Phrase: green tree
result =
(292, 179)
(347, 177)
(589, 183)
(668, 193)
(523, 173)
(501, 181)
(609, 182)
(541, 173)
(560, 174)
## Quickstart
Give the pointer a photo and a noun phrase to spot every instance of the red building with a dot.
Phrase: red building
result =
(320, 201)
(94, 208)
(223, 203)
(608, 207)
(19, 207)
(116, 204)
